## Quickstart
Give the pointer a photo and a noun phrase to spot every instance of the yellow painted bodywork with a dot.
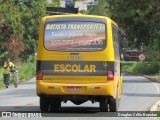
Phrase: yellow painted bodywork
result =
(88, 83)
(87, 88)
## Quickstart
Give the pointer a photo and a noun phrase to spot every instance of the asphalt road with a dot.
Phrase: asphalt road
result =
(139, 94)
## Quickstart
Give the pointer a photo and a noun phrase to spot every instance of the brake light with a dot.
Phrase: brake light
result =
(110, 75)
(39, 75)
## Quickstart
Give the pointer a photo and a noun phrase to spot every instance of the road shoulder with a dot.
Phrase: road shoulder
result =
(155, 79)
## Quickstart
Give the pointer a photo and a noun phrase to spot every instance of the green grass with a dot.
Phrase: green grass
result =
(127, 67)
(158, 75)
(1, 78)
(148, 68)
(158, 109)
(26, 72)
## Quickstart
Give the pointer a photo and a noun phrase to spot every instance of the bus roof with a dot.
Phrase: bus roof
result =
(81, 15)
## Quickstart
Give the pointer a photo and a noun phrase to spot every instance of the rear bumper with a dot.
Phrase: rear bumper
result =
(95, 89)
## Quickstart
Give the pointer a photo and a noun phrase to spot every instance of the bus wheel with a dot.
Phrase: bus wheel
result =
(113, 104)
(104, 104)
(44, 104)
(55, 104)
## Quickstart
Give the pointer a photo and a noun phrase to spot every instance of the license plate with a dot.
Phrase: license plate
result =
(74, 89)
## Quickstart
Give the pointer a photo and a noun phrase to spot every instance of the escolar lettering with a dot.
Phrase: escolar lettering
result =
(74, 68)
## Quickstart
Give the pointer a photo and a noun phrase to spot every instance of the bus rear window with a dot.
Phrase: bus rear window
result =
(75, 36)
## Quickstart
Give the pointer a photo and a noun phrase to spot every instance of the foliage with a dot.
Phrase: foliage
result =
(141, 67)
(11, 29)
(152, 54)
(1, 78)
(84, 12)
(3, 56)
(127, 67)
(31, 14)
(19, 26)
(139, 19)
(144, 68)
(100, 9)
(55, 3)
(26, 71)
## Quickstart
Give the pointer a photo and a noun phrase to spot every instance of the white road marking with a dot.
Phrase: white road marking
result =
(157, 88)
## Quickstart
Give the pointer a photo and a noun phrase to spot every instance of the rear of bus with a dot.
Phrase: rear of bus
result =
(75, 62)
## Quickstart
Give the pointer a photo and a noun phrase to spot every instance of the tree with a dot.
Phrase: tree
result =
(19, 26)
(31, 14)
(55, 3)
(100, 9)
(139, 19)
(11, 30)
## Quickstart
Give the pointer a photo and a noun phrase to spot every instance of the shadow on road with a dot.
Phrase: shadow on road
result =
(79, 109)
(141, 95)
(137, 81)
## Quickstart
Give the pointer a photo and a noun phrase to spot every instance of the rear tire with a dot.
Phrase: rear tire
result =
(44, 104)
(55, 104)
(103, 104)
(113, 104)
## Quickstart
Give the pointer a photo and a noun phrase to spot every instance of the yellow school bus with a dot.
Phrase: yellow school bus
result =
(78, 60)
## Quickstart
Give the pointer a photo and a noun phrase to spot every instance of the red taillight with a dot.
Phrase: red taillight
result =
(39, 75)
(110, 75)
